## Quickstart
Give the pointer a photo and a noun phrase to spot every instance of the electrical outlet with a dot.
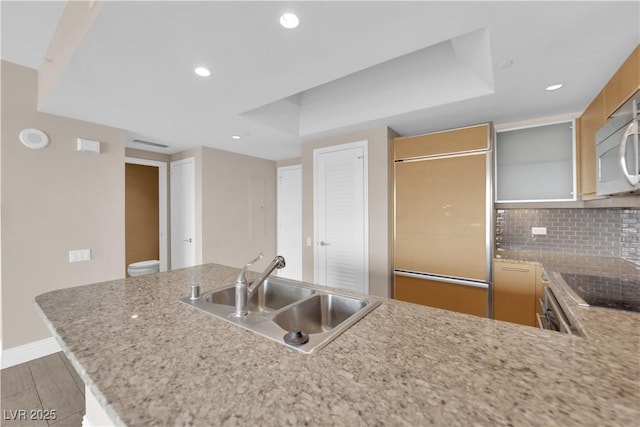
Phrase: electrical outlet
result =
(539, 231)
(80, 255)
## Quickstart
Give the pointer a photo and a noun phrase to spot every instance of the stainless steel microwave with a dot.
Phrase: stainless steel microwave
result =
(617, 151)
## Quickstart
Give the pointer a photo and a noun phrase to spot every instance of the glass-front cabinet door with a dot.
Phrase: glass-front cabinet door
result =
(536, 164)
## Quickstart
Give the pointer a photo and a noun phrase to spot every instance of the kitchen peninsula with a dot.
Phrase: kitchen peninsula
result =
(151, 360)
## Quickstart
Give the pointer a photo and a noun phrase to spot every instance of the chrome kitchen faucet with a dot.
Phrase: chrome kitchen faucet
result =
(244, 290)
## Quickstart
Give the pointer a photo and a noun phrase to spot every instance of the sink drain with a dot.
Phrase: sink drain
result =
(296, 337)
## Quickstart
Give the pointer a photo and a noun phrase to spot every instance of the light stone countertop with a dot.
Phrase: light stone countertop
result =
(403, 364)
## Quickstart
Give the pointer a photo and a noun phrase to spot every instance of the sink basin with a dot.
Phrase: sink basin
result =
(280, 307)
(272, 295)
(319, 314)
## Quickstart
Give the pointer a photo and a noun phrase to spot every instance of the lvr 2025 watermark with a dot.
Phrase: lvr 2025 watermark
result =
(29, 414)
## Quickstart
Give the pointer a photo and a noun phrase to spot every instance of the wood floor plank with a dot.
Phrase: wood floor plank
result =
(16, 379)
(56, 388)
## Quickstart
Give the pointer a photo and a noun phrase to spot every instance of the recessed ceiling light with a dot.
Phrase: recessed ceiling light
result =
(235, 137)
(554, 87)
(202, 71)
(289, 20)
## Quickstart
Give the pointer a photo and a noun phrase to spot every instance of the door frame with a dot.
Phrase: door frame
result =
(278, 210)
(316, 209)
(162, 203)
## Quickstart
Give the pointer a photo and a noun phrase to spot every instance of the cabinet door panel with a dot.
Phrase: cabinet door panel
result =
(451, 193)
(624, 83)
(514, 292)
(448, 296)
(590, 122)
(535, 163)
(445, 142)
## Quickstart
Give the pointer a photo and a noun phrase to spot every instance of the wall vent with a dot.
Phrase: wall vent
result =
(152, 144)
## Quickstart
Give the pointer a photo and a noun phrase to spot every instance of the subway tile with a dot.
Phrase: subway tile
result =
(610, 232)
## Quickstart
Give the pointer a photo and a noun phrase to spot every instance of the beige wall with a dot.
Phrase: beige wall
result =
(239, 208)
(1, 215)
(378, 151)
(54, 200)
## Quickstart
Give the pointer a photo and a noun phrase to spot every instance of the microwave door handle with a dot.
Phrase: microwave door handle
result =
(632, 129)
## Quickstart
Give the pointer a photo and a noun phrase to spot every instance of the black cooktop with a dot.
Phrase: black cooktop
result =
(609, 292)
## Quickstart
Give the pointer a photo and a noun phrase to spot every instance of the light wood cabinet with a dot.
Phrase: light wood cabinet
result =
(624, 83)
(514, 292)
(589, 123)
(466, 139)
(431, 236)
(448, 296)
(541, 284)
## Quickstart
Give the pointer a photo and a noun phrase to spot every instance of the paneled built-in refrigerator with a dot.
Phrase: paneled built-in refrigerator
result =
(442, 219)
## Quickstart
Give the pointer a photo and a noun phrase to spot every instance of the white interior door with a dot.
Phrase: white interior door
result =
(341, 217)
(183, 209)
(290, 220)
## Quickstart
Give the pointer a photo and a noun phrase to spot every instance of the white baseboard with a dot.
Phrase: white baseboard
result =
(24, 353)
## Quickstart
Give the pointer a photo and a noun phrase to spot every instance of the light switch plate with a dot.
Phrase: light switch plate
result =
(80, 255)
(539, 231)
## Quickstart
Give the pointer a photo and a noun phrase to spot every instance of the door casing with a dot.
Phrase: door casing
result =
(162, 206)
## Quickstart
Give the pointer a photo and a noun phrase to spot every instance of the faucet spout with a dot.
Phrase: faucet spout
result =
(278, 262)
(242, 278)
(244, 290)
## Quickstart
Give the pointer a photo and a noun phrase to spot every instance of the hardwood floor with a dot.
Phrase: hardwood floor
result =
(43, 392)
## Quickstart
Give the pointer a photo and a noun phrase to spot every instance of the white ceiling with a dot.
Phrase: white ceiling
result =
(414, 66)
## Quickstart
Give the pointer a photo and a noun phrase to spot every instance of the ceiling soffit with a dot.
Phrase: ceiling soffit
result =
(453, 70)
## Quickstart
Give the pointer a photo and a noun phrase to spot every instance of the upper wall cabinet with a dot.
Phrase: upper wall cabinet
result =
(624, 83)
(536, 164)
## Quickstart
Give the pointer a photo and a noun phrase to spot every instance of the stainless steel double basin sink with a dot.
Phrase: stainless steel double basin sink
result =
(280, 308)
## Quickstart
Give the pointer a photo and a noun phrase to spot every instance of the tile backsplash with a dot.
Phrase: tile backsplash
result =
(602, 232)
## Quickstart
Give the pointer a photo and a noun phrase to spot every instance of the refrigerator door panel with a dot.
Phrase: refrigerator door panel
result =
(440, 294)
(441, 209)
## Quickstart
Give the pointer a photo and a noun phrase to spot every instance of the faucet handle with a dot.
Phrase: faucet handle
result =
(280, 262)
(242, 279)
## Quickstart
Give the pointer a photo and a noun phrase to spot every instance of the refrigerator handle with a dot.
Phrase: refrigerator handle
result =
(424, 276)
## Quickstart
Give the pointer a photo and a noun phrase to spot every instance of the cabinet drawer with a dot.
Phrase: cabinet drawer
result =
(514, 293)
(434, 144)
(449, 296)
